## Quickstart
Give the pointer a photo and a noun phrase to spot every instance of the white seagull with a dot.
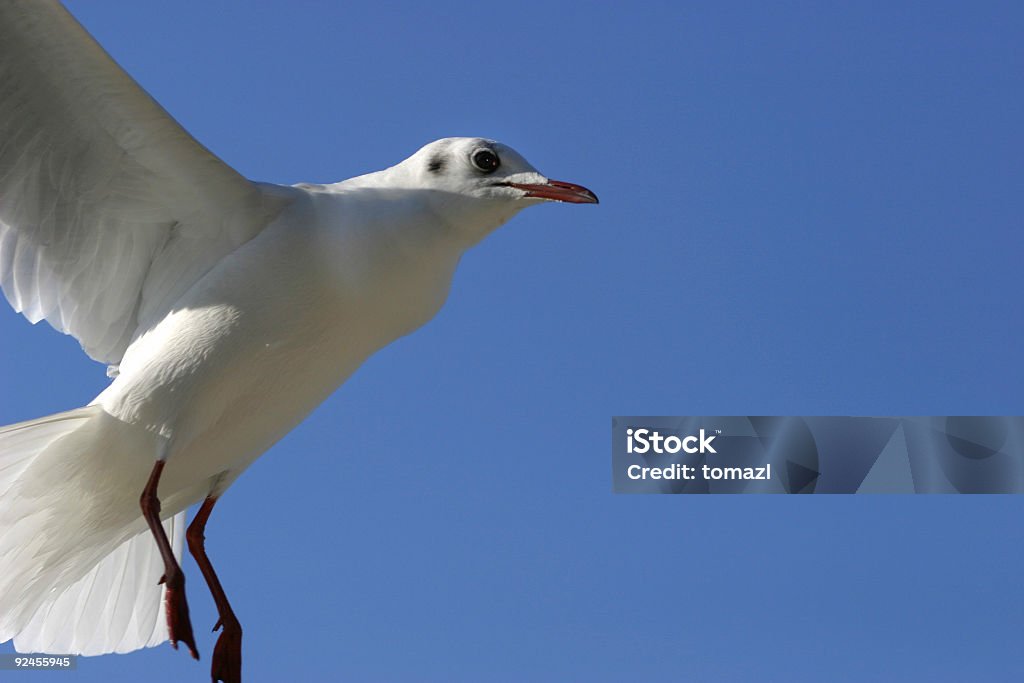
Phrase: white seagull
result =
(226, 311)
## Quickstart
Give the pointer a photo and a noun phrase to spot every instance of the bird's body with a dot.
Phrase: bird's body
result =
(275, 327)
(245, 354)
(227, 310)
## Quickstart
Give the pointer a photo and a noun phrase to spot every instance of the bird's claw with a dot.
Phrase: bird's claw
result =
(227, 653)
(179, 626)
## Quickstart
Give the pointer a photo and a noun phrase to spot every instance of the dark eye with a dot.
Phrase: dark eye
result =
(486, 160)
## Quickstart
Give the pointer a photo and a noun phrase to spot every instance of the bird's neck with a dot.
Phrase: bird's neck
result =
(460, 220)
(388, 256)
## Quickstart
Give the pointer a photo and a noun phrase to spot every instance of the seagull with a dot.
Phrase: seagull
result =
(225, 309)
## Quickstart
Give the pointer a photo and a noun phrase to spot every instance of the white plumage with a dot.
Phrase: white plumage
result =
(227, 309)
(110, 209)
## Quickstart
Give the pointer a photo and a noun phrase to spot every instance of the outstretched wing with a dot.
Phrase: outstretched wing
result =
(109, 210)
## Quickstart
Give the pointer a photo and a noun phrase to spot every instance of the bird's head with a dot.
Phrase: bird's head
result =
(478, 184)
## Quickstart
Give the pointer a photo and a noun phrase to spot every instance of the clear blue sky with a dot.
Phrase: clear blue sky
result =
(808, 208)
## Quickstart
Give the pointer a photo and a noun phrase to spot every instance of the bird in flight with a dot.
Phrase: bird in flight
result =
(225, 310)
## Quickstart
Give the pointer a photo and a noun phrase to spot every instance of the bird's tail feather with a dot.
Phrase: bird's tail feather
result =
(78, 568)
(116, 607)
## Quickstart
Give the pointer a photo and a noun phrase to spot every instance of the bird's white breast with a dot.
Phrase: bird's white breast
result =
(277, 325)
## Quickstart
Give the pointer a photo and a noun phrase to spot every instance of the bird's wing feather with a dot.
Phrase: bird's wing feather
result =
(109, 210)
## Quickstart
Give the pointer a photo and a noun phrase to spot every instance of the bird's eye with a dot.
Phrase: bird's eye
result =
(486, 160)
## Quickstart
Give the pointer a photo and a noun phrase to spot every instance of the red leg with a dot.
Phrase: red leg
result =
(227, 654)
(178, 623)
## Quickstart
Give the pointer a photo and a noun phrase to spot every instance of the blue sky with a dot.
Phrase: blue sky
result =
(808, 208)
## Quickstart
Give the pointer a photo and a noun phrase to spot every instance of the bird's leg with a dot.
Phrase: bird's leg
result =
(227, 653)
(178, 624)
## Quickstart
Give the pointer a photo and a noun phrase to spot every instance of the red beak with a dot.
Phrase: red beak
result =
(558, 191)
